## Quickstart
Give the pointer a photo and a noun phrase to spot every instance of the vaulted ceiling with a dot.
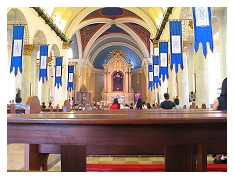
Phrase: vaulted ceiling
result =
(98, 31)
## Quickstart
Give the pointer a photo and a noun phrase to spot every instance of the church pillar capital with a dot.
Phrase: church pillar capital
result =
(155, 42)
(185, 45)
(28, 49)
(66, 45)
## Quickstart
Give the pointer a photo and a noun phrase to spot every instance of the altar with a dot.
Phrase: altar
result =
(118, 79)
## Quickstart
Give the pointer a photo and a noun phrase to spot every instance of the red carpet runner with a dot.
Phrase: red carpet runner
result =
(143, 167)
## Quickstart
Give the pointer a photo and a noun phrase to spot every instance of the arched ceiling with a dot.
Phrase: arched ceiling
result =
(64, 17)
(99, 29)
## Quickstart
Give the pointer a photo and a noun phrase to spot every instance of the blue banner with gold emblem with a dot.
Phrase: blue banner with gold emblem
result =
(58, 71)
(17, 49)
(156, 70)
(202, 20)
(43, 62)
(176, 45)
(163, 60)
(151, 77)
(70, 78)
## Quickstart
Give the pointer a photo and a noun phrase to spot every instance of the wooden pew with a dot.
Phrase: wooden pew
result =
(65, 108)
(106, 149)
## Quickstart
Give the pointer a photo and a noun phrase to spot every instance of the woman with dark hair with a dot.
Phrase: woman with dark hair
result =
(115, 104)
(139, 103)
(177, 102)
(220, 103)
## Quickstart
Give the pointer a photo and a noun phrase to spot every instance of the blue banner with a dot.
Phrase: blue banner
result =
(43, 62)
(70, 80)
(156, 71)
(58, 71)
(176, 45)
(202, 19)
(150, 77)
(163, 59)
(17, 49)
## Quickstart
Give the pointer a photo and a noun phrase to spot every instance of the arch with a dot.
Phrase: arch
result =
(39, 38)
(55, 50)
(18, 19)
(76, 23)
(135, 37)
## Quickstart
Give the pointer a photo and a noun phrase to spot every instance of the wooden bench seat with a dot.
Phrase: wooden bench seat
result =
(114, 124)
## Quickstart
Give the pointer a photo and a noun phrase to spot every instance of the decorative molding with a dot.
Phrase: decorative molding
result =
(155, 42)
(66, 45)
(117, 53)
(185, 45)
(28, 48)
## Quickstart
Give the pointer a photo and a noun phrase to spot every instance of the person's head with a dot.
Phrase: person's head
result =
(43, 103)
(115, 101)
(177, 101)
(166, 95)
(139, 100)
(224, 87)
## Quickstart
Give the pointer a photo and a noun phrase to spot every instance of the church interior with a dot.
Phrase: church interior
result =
(106, 53)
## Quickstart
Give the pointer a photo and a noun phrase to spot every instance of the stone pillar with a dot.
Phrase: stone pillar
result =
(202, 80)
(129, 79)
(105, 78)
(172, 82)
(125, 84)
(45, 90)
(26, 80)
(183, 90)
(79, 74)
(66, 46)
(156, 90)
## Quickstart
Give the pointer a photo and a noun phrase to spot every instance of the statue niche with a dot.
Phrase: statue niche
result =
(117, 81)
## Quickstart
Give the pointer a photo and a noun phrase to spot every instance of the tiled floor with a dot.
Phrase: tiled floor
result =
(15, 159)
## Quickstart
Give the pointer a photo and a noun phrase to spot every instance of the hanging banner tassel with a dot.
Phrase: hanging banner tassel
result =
(202, 19)
(163, 55)
(176, 45)
(17, 49)
(70, 78)
(43, 62)
(156, 70)
(58, 71)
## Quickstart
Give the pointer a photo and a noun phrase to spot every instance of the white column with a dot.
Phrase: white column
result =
(51, 77)
(202, 80)
(27, 72)
(183, 91)
(172, 86)
(65, 74)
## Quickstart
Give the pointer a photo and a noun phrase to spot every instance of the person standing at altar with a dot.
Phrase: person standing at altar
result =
(139, 103)
(115, 104)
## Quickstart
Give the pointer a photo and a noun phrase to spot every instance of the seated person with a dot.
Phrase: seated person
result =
(43, 105)
(177, 102)
(115, 104)
(167, 104)
(50, 106)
